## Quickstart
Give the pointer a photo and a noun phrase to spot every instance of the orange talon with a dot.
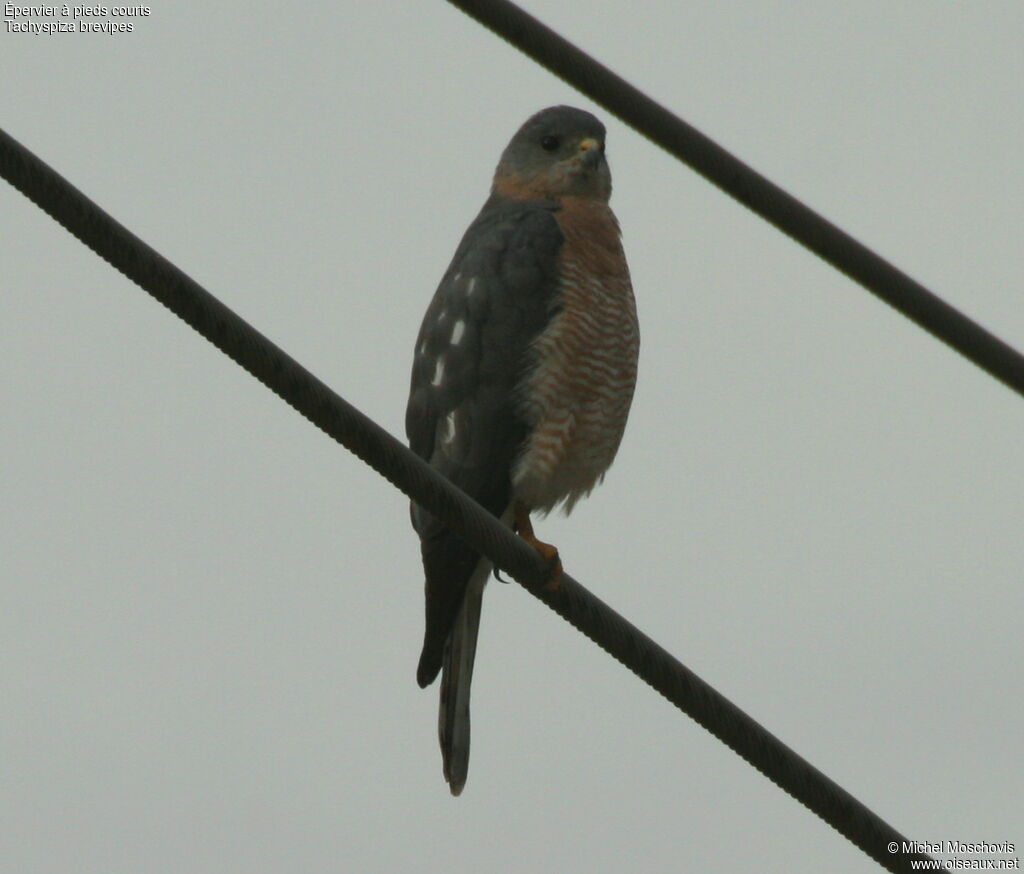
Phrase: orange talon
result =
(546, 551)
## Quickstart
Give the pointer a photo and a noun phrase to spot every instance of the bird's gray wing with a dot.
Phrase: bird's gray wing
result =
(463, 417)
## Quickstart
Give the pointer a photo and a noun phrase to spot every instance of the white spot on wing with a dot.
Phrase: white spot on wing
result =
(472, 287)
(438, 372)
(448, 428)
(457, 331)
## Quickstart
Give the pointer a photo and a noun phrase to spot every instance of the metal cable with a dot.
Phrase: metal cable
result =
(390, 458)
(675, 136)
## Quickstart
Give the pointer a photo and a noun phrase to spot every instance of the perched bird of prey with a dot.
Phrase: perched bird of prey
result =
(523, 377)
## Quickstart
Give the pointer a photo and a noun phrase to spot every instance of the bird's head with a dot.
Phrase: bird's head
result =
(559, 152)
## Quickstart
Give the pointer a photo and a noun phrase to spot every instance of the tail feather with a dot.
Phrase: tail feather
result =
(456, 679)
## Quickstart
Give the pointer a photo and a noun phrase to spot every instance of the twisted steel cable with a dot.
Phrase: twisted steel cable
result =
(373, 445)
(653, 121)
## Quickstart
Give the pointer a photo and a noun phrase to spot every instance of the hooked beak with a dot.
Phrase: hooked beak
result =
(589, 153)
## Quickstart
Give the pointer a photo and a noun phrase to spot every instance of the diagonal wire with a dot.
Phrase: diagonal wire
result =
(371, 443)
(768, 200)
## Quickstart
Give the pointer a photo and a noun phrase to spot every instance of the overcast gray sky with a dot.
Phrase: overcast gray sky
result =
(211, 613)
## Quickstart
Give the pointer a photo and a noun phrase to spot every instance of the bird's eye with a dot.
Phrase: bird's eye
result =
(549, 143)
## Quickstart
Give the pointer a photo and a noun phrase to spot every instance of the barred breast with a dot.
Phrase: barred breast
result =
(577, 393)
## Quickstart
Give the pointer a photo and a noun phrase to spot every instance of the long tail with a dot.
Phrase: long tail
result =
(456, 679)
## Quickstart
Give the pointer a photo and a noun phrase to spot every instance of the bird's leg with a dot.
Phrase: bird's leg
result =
(549, 553)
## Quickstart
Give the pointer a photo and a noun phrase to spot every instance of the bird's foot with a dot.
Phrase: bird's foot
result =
(550, 555)
(546, 551)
